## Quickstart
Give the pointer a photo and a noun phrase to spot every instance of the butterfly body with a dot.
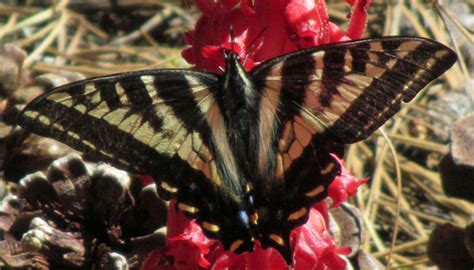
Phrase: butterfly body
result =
(245, 153)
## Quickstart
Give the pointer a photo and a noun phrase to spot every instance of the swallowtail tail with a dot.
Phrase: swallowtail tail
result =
(244, 153)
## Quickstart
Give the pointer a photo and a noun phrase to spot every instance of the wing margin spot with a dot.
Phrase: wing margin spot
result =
(169, 188)
(315, 191)
(277, 239)
(236, 245)
(210, 227)
(297, 214)
(188, 208)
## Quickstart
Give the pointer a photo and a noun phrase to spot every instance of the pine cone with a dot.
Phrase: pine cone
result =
(79, 215)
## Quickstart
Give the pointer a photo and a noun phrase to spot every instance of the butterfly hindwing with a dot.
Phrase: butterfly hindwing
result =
(306, 182)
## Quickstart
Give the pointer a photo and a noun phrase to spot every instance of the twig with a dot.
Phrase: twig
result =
(399, 191)
(89, 26)
(469, 34)
(146, 27)
(469, 85)
(420, 143)
(402, 247)
(413, 212)
(47, 41)
(30, 21)
(37, 35)
(11, 22)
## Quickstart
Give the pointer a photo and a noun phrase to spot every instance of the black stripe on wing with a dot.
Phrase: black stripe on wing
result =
(108, 94)
(333, 74)
(91, 136)
(140, 102)
(124, 118)
(407, 71)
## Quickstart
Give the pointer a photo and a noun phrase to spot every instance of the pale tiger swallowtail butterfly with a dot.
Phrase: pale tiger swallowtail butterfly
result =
(246, 154)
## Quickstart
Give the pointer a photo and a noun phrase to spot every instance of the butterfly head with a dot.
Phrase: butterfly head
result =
(236, 80)
(231, 58)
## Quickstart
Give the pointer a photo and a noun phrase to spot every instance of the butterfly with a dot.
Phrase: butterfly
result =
(246, 154)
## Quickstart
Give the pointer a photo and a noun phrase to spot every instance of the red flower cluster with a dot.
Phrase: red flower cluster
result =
(262, 29)
(265, 29)
(344, 186)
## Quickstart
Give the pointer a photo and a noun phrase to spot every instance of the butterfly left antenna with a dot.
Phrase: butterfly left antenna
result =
(232, 38)
(253, 44)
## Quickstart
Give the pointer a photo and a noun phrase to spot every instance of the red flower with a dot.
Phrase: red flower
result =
(262, 29)
(343, 186)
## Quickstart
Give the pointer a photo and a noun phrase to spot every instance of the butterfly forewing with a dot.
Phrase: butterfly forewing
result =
(136, 120)
(350, 89)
